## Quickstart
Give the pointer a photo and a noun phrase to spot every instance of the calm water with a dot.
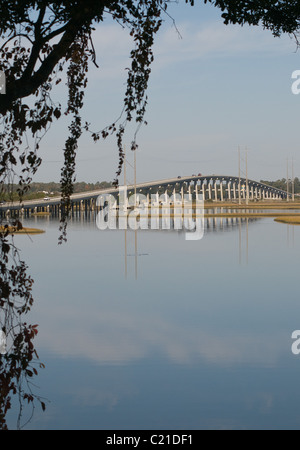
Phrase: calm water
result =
(198, 336)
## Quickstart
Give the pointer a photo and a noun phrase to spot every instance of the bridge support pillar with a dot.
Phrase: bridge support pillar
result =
(174, 196)
(203, 191)
(229, 190)
(221, 191)
(209, 190)
(189, 193)
(234, 191)
(216, 191)
(166, 196)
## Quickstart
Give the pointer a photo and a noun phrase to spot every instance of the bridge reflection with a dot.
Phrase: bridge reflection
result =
(133, 238)
(210, 224)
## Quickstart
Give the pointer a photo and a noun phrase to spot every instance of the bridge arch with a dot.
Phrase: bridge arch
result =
(210, 187)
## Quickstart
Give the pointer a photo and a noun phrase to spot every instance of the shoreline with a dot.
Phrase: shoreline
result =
(24, 230)
(252, 205)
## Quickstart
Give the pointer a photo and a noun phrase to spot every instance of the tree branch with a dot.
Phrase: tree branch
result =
(29, 83)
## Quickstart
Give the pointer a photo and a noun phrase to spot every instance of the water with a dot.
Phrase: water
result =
(197, 336)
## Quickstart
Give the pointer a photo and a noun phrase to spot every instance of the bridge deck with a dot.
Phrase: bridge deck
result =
(31, 204)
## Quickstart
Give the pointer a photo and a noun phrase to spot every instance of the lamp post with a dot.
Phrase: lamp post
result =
(287, 179)
(135, 204)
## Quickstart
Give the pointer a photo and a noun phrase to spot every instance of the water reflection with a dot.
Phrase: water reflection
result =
(192, 338)
(134, 254)
(163, 223)
(19, 365)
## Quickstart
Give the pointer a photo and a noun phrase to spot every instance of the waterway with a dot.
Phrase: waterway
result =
(150, 330)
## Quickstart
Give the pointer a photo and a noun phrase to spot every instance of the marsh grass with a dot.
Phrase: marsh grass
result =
(24, 230)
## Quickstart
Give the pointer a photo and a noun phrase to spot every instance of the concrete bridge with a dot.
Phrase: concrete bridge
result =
(211, 187)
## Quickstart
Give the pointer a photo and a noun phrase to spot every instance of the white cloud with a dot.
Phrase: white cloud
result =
(113, 44)
(117, 337)
(216, 40)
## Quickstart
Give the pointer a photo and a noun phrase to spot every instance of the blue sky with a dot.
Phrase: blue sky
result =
(213, 89)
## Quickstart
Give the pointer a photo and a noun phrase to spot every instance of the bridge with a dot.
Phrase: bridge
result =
(211, 187)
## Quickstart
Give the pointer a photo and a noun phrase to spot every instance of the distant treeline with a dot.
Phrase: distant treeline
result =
(52, 189)
(281, 184)
(80, 186)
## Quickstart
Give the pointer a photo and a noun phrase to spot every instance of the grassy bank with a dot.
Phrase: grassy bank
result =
(24, 230)
(41, 213)
(253, 205)
(251, 214)
(290, 220)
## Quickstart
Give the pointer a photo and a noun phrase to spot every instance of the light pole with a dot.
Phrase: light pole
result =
(239, 176)
(135, 204)
(125, 205)
(287, 179)
(247, 188)
(293, 181)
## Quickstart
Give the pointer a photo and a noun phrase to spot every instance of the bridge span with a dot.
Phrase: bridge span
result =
(211, 187)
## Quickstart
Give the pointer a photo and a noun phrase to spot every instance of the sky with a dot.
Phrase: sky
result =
(213, 89)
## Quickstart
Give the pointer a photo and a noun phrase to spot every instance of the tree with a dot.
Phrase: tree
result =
(19, 359)
(279, 16)
(40, 40)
